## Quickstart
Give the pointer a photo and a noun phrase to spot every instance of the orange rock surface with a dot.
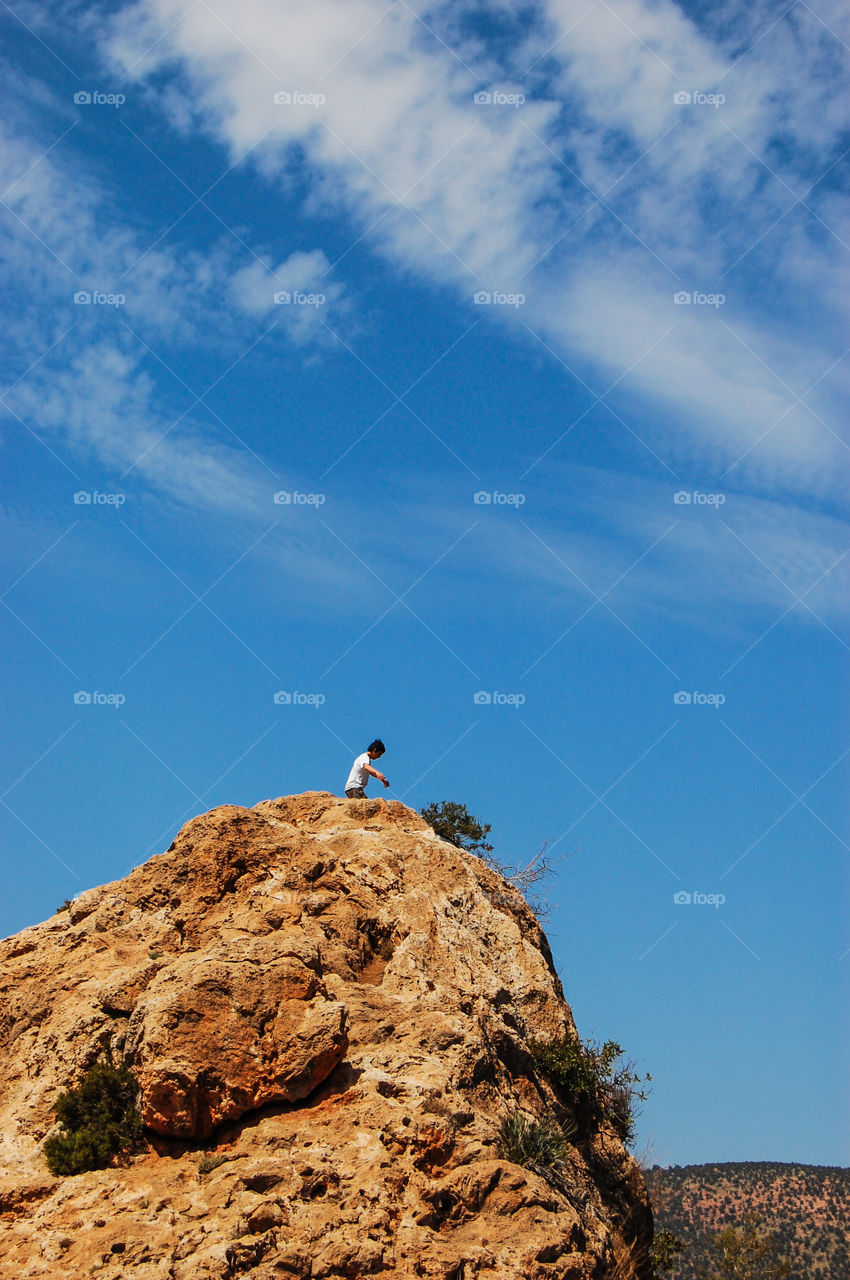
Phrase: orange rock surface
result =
(328, 1010)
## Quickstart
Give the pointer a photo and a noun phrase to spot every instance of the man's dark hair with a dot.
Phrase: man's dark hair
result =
(378, 746)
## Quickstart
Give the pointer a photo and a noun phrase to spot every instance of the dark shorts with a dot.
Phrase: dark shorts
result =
(356, 793)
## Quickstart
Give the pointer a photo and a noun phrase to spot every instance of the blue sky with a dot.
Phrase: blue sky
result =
(588, 268)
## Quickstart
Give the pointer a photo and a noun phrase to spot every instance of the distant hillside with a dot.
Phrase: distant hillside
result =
(808, 1206)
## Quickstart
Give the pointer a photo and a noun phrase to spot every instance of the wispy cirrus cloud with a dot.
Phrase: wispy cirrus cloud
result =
(600, 196)
(102, 405)
(97, 305)
(64, 232)
(712, 559)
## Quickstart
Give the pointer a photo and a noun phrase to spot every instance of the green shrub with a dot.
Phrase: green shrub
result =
(210, 1161)
(539, 1145)
(100, 1119)
(453, 822)
(745, 1253)
(665, 1247)
(587, 1074)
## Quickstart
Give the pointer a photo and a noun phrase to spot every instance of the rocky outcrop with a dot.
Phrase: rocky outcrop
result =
(329, 1012)
(213, 1039)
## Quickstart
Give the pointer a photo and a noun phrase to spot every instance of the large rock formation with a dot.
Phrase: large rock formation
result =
(328, 1010)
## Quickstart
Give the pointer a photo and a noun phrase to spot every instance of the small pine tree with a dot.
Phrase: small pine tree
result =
(665, 1247)
(453, 822)
(745, 1253)
(100, 1119)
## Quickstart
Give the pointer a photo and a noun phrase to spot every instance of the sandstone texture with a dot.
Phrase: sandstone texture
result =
(329, 1011)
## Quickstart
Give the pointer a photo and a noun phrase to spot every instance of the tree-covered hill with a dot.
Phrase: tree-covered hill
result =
(806, 1206)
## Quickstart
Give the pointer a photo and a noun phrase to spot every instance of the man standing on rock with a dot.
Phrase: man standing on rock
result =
(362, 770)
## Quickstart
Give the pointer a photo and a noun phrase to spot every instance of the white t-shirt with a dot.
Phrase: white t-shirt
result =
(358, 776)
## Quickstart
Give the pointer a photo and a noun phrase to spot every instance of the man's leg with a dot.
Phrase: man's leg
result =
(356, 793)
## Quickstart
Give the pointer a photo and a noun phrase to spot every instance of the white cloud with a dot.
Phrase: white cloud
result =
(730, 568)
(103, 404)
(65, 235)
(299, 292)
(724, 386)
(473, 196)
(87, 389)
